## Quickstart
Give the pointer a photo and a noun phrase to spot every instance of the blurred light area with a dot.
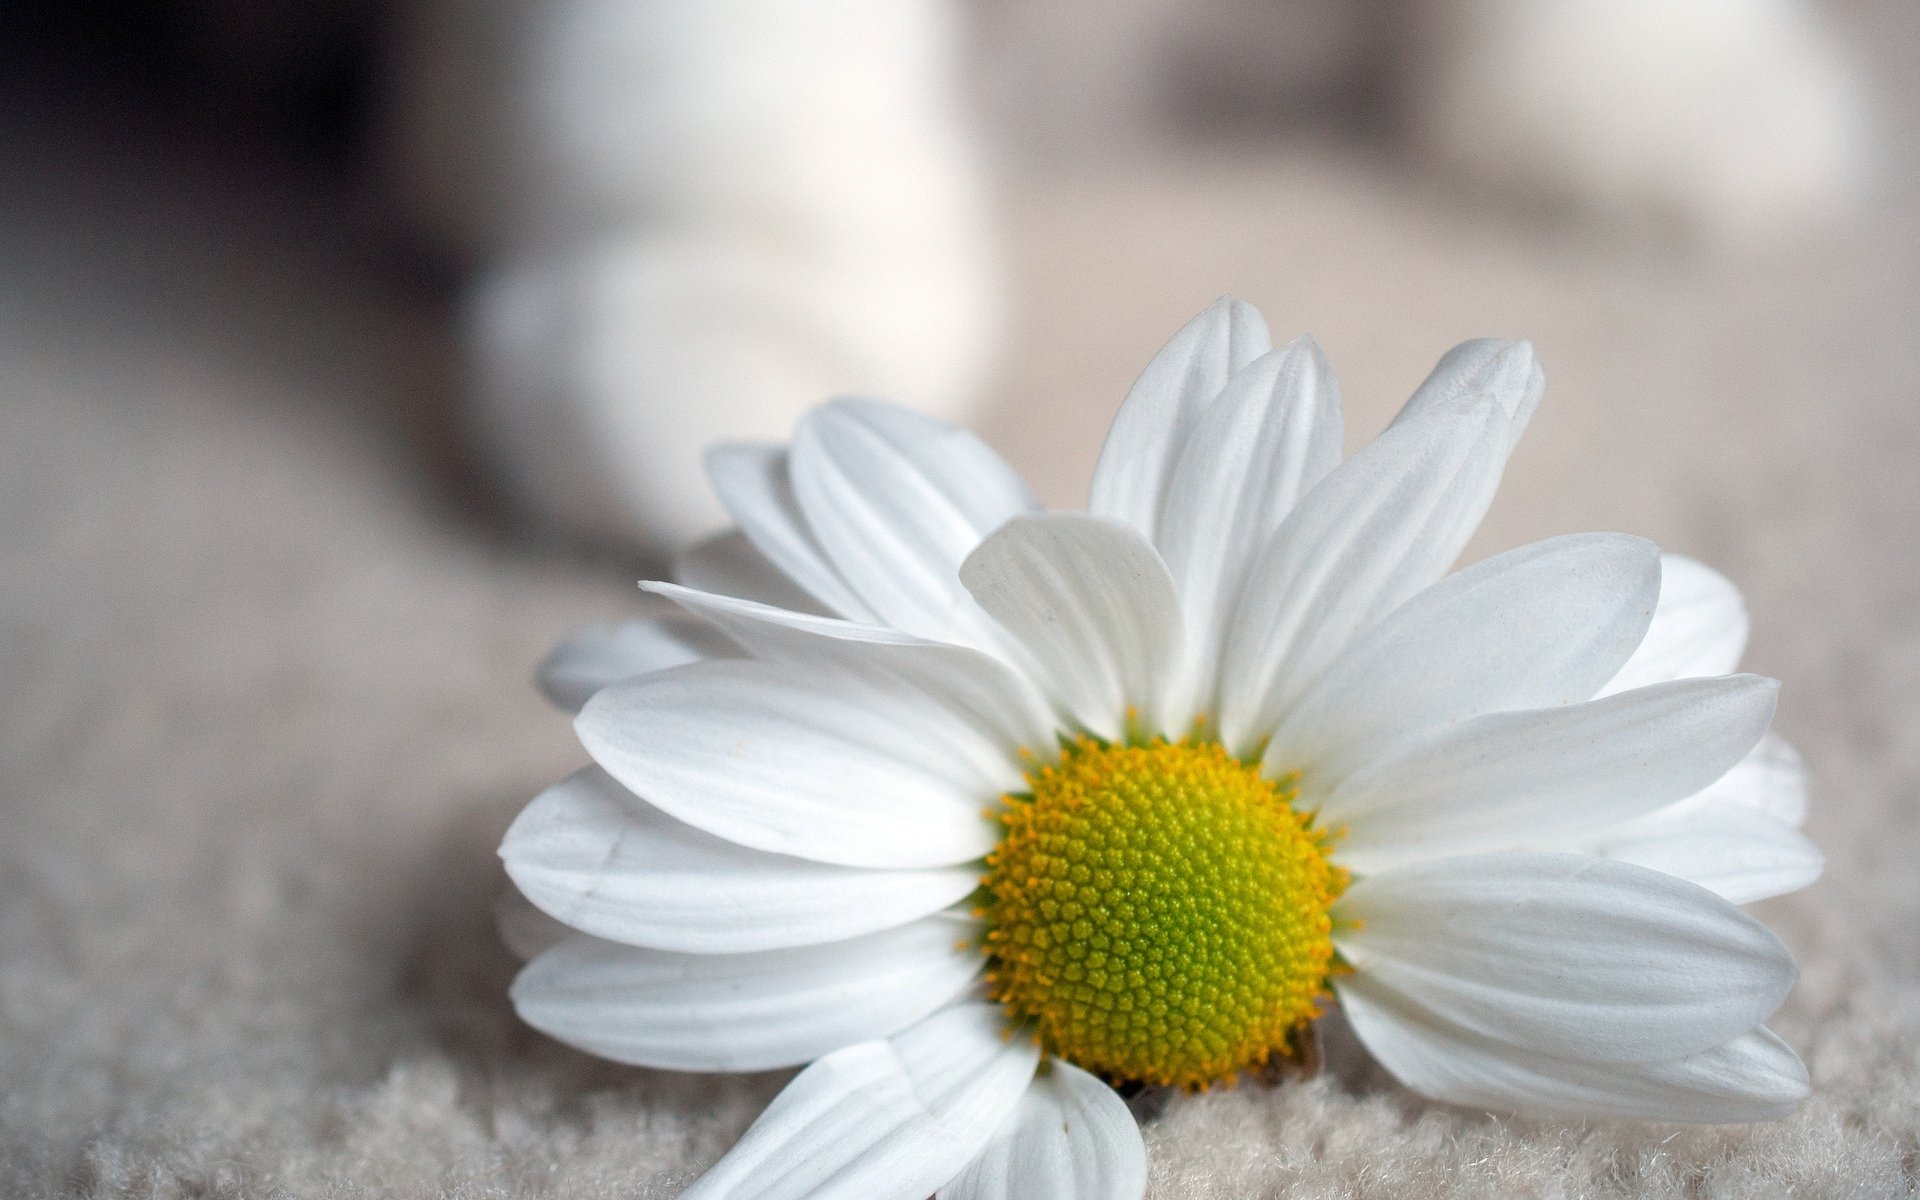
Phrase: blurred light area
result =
(218, 182)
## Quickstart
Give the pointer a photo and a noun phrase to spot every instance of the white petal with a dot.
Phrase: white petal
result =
(1093, 603)
(953, 462)
(591, 659)
(1539, 626)
(755, 483)
(1772, 779)
(1752, 1077)
(1071, 1138)
(969, 683)
(526, 930)
(1130, 481)
(1385, 524)
(601, 859)
(1539, 776)
(1741, 853)
(729, 564)
(744, 1012)
(1699, 628)
(1274, 432)
(779, 758)
(894, 1118)
(897, 501)
(1507, 371)
(1565, 955)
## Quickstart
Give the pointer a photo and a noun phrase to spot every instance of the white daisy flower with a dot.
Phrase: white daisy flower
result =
(978, 809)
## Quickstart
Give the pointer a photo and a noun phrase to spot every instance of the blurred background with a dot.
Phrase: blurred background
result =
(350, 353)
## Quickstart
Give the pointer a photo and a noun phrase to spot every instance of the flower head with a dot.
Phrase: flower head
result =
(979, 809)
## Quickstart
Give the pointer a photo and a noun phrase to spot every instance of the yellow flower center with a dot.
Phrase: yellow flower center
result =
(1159, 912)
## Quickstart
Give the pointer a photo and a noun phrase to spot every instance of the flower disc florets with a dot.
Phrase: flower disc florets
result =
(1159, 911)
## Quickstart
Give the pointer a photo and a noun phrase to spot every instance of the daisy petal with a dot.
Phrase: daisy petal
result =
(743, 1012)
(953, 461)
(967, 682)
(778, 634)
(755, 483)
(589, 660)
(1137, 462)
(1699, 628)
(1382, 526)
(1740, 853)
(897, 500)
(1539, 626)
(728, 564)
(1509, 372)
(1772, 779)
(601, 859)
(1752, 1077)
(1564, 955)
(1542, 775)
(1274, 432)
(1093, 603)
(782, 758)
(1071, 1138)
(886, 1118)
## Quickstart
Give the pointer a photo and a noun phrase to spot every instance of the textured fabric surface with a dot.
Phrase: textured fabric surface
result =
(265, 711)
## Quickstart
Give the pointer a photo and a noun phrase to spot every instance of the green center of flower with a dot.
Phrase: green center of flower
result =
(1159, 912)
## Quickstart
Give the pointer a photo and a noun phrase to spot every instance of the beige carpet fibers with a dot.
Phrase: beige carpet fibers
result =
(264, 708)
